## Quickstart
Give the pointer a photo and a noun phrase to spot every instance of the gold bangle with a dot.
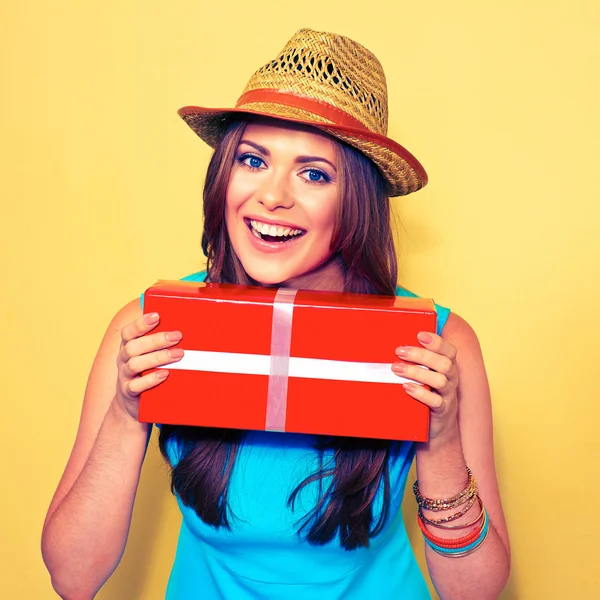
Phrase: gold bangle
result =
(461, 526)
(447, 503)
(450, 518)
(440, 505)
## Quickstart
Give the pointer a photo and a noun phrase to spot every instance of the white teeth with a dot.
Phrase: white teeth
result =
(259, 229)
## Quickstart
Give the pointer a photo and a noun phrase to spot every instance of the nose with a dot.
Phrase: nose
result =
(275, 193)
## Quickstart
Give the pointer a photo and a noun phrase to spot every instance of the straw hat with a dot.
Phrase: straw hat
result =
(328, 81)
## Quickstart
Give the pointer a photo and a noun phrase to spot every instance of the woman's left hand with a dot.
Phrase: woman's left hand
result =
(441, 375)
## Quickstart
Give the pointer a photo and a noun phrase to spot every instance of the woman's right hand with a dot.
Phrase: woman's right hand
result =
(140, 352)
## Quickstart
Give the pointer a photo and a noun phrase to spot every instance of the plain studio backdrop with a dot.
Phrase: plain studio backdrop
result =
(101, 196)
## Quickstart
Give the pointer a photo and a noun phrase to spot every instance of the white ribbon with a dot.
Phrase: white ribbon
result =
(281, 340)
(311, 368)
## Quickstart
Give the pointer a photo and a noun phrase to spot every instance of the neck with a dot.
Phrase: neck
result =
(329, 276)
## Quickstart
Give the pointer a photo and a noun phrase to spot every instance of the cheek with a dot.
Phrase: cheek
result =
(234, 198)
(324, 217)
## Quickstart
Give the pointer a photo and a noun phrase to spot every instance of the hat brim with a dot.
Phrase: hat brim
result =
(402, 172)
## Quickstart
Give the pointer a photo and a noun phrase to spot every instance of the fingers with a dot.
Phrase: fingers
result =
(134, 387)
(139, 327)
(440, 375)
(438, 354)
(142, 351)
(148, 343)
(433, 379)
(422, 394)
(437, 344)
(138, 364)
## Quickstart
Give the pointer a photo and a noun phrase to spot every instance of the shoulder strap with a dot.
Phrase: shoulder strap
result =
(442, 312)
(199, 276)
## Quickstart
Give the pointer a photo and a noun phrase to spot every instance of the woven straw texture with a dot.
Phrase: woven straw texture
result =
(334, 71)
(401, 178)
(330, 68)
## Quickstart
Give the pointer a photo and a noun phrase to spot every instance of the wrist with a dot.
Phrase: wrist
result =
(122, 418)
(441, 466)
(450, 437)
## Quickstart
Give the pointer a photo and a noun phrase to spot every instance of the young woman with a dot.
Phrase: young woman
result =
(296, 195)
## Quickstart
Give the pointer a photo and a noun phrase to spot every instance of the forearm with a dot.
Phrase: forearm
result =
(481, 575)
(85, 536)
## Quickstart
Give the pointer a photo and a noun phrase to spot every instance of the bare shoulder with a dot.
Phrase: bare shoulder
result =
(103, 374)
(131, 311)
(458, 331)
(99, 393)
(110, 346)
(473, 383)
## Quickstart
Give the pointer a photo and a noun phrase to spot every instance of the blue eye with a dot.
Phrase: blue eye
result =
(317, 176)
(251, 161)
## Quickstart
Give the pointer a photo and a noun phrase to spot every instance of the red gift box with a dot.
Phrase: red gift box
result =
(287, 360)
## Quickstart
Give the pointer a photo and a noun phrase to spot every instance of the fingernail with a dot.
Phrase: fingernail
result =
(425, 337)
(161, 374)
(174, 336)
(151, 318)
(402, 351)
(176, 353)
(399, 367)
(409, 387)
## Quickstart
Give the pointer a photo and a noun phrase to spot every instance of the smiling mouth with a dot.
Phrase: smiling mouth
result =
(273, 233)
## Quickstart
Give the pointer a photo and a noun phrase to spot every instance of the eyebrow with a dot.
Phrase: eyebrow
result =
(300, 159)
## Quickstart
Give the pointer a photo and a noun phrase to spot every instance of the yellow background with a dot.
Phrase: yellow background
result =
(100, 196)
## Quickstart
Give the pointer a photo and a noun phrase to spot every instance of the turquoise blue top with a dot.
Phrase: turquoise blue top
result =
(263, 558)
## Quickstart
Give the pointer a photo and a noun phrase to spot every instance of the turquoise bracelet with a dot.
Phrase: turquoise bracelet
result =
(466, 549)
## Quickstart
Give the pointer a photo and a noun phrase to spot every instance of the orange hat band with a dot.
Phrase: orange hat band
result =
(322, 109)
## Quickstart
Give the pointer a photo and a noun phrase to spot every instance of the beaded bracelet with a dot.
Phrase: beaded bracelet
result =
(457, 553)
(460, 542)
(452, 517)
(465, 550)
(447, 503)
(456, 542)
(462, 525)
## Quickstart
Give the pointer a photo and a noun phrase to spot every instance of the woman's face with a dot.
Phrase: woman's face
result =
(282, 200)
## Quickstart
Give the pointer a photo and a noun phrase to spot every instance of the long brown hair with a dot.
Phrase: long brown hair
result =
(363, 241)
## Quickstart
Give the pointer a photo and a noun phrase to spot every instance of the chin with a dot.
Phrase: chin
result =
(267, 276)
(279, 275)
